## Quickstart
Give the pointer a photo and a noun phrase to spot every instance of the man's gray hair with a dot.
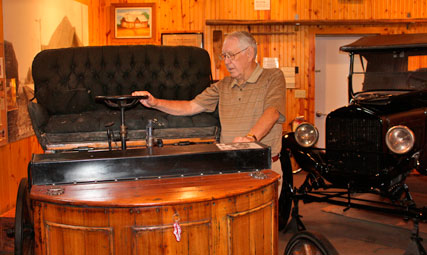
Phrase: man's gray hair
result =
(245, 40)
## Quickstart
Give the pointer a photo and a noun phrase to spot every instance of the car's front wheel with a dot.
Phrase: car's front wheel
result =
(285, 200)
(309, 243)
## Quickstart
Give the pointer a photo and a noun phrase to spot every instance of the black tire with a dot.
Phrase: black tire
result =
(285, 200)
(24, 227)
(306, 242)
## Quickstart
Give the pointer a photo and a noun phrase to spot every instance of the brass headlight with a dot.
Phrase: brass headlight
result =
(400, 139)
(306, 134)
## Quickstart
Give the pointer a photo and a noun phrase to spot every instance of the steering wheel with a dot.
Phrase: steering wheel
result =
(122, 101)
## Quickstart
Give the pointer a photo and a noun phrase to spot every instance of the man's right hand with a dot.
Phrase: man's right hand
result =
(150, 102)
(173, 107)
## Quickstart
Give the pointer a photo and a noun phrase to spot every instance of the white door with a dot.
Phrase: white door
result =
(331, 73)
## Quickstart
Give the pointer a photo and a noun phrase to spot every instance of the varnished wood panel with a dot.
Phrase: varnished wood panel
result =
(156, 226)
(67, 239)
(246, 223)
(147, 238)
(14, 159)
(151, 191)
(218, 214)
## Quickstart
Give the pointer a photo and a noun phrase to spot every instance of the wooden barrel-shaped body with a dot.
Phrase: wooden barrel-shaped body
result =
(217, 214)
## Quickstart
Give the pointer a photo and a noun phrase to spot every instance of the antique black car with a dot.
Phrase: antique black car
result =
(374, 142)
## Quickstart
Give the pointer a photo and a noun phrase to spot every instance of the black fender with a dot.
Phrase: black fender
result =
(285, 199)
(309, 159)
(421, 167)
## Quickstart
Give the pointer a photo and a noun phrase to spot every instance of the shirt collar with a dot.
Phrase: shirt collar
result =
(252, 79)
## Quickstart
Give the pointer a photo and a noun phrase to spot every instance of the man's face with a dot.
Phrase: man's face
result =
(241, 61)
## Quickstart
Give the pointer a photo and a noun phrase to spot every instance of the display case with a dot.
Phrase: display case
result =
(3, 101)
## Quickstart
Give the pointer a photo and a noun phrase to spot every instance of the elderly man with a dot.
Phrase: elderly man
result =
(251, 101)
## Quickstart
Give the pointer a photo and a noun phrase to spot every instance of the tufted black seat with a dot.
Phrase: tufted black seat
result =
(68, 80)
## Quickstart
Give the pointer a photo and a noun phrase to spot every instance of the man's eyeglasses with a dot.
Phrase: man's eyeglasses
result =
(230, 56)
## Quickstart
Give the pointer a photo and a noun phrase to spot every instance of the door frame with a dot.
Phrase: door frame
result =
(329, 31)
(335, 91)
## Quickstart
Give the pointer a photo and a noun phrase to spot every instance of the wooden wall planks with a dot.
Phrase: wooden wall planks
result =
(14, 159)
(293, 45)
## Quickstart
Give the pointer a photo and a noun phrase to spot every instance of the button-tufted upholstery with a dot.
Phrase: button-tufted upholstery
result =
(68, 80)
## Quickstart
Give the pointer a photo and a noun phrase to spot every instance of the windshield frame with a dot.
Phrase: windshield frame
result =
(394, 72)
(408, 44)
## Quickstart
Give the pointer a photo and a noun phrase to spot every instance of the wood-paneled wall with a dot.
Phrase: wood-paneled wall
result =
(14, 159)
(278, 37)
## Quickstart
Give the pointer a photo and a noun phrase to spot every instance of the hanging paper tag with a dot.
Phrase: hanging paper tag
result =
(177, 231)
(177, 227)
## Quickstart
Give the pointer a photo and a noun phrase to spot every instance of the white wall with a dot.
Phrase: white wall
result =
(28, 24)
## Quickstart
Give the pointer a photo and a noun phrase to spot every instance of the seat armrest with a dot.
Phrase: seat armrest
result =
(39, 118)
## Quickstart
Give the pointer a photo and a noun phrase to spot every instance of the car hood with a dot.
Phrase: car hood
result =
(385, 103)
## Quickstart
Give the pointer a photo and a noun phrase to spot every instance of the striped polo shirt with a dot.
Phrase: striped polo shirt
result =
(240, 106)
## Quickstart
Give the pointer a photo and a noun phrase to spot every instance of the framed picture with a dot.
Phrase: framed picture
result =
(186, 39)
(134, 21)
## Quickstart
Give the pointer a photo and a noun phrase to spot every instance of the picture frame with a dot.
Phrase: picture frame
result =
(185, 39)
(134, 21)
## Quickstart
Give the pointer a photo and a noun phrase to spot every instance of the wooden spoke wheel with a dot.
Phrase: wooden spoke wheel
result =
(24, 225)
(121, 101)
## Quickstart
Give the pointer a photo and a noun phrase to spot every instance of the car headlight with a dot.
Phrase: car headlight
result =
(306, 134)
(400, 139)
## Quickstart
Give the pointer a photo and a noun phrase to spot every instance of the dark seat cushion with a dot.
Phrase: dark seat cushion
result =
(91, 121)
(68, 80)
